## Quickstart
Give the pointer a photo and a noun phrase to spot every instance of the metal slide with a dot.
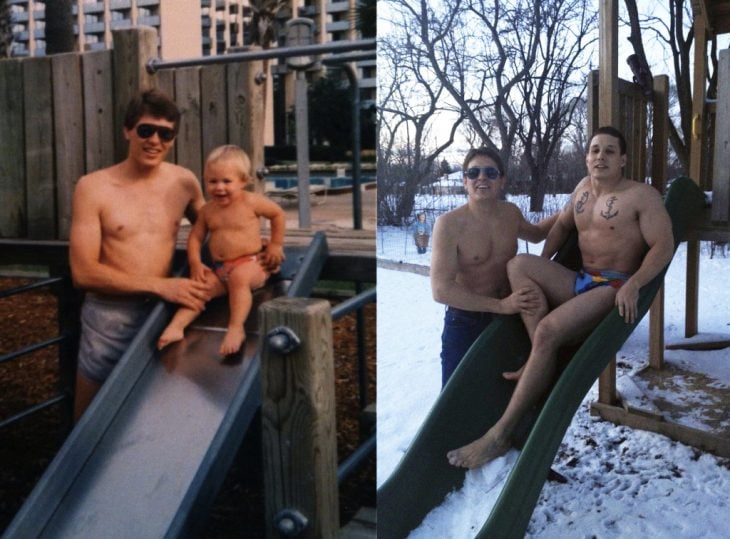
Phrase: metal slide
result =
(149, 455)
(476, 396)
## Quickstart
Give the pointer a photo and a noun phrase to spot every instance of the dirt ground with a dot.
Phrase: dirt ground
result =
(29, 445)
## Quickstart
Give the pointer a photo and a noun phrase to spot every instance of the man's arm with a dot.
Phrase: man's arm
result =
(89, 273)
(197, 200)
(537, 232)
(656, 229)
(563, 224)
(445, 288)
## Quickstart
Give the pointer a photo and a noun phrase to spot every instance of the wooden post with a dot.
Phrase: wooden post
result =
(68, 118)
(133, 47)
(298, 419)
(659, 181)
(98, 109)
(721, 166)
(695, 171)
(12, 163)
(38, 111)
(246, 113)
(608, 114)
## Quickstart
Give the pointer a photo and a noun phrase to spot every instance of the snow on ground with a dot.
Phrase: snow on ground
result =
(622, 483)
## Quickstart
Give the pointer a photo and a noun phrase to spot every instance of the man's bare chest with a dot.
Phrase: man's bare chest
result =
(131, 213)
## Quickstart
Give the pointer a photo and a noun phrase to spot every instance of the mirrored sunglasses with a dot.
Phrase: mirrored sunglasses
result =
(145, 131)
(490, 172)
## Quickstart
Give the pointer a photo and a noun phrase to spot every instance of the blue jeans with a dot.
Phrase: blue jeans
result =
(461, 329)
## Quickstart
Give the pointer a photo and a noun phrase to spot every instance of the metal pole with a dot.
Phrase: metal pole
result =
(302, 131)
(155, 64)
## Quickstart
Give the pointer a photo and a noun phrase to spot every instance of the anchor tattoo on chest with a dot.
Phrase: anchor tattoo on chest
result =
(580, 205)
(609, 212)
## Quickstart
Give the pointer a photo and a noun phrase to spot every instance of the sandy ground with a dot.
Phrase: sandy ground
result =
(333, 211)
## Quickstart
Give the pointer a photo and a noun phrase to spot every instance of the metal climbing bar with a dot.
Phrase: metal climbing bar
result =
(155, 64)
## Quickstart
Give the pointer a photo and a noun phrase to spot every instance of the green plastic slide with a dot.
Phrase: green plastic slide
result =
(476, 396)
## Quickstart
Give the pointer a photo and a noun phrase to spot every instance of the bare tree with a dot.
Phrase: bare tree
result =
(411, 105)
(513, 67)
(675, 33)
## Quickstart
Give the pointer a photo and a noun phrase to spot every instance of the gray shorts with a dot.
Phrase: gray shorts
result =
(108, 326)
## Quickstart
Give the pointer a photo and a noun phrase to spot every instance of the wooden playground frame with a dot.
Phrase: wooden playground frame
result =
(620, 103)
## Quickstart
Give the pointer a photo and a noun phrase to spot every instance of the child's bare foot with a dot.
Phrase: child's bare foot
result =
(480, 451)
(513, 375)
(232, 341)
(170, 335)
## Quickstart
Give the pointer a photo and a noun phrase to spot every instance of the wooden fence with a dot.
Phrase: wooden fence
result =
(62, 117)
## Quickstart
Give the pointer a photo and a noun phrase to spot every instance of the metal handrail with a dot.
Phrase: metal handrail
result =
(32, 348)
(354, 303)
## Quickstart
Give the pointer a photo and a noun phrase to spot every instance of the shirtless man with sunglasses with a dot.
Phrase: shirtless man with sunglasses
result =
(124, 229)
(471, 247)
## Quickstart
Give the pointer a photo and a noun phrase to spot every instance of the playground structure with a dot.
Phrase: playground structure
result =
(71, 124)
(617, 102)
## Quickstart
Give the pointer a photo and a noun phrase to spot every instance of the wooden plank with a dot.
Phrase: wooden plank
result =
(213, 99)
(707, 441)
(133, 47)
(701, 346)
(608, 113)
(721, 164)
(13, 217)
(38, 114)
(298, 417)
(187, 97)
(607, 384)
(634, 400)
(98, 109)
(165, 81)
(246, 113)
(68, 121)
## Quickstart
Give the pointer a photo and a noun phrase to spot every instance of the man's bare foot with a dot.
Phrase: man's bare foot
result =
(232, 341)
(480, 451)
(513, 375)
(170, 335)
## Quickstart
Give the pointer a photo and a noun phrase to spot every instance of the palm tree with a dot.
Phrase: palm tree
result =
(59, 27)
(6, 30)
(367, 17)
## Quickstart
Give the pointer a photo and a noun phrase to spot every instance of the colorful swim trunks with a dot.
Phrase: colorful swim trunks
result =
(588, 280)
(224, 269)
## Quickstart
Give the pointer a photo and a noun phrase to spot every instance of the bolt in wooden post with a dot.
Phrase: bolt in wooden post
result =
(298, 417)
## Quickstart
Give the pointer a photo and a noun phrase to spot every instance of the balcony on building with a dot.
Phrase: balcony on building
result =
(96, 7)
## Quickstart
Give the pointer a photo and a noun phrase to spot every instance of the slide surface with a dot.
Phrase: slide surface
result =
(476, 396)
(150, 453)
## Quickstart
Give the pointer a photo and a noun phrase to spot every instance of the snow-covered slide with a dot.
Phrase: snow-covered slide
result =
(150, 453)
(476, 396)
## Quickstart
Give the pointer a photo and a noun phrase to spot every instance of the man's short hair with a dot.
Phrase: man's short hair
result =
(612, 131)
(486, 152)
(154, 102)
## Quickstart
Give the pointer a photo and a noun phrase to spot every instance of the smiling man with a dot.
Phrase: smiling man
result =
(471, 247)
(625, 240)
(124, 229)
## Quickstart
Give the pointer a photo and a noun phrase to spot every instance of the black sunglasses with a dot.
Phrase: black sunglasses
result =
(166, 134)
(490, 172)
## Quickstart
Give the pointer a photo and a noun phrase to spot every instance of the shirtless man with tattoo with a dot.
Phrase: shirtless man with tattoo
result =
(625, 239)
(471, 247)
(124, 228)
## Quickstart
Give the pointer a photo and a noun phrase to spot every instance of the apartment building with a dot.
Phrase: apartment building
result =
(221, 25)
